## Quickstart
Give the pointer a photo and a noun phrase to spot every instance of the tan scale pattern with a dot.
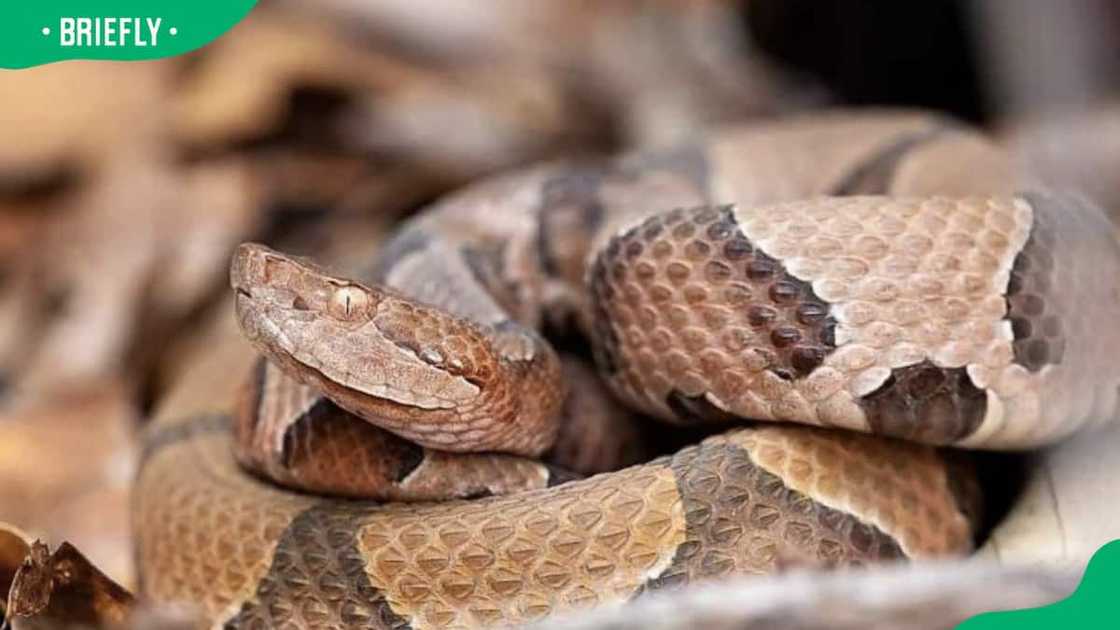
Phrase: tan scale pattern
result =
(1069, 283)
(684, 303)
(206, 531)
(904, 280)
(908, 280)
(516, 559)
(1038, 327)
(317, 578)
(900, 488)
(598, 541)
(925, 279)
(267, 558)
(743, 519)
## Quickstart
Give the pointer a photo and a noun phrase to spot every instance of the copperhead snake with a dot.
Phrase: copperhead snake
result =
(876, 276)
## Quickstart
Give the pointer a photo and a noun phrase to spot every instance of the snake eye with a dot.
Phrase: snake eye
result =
(348, 303)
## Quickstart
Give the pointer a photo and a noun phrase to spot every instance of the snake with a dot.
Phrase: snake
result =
(842, 302)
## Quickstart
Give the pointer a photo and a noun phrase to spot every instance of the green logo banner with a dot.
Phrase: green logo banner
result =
(1092, 605)
(34, 32)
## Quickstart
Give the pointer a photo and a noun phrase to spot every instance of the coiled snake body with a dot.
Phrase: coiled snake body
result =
(876, 274)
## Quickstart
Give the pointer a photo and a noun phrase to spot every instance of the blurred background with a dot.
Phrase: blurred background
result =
(315, 127)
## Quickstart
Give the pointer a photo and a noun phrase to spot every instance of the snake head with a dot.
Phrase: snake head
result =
(359, 342)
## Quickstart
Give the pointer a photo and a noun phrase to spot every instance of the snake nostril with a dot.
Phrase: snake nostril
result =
(300, 304)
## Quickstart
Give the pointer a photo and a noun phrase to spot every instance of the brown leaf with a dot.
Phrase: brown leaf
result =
(64, 589)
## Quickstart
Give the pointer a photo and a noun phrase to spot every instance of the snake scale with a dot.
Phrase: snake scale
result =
(874, 274)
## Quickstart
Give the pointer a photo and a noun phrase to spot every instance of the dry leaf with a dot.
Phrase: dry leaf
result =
(64, 589)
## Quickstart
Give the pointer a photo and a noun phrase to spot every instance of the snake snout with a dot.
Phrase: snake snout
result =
(247, 267)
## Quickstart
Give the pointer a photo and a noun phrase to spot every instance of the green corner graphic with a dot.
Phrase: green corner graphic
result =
(34, 32)
(1090, 606)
